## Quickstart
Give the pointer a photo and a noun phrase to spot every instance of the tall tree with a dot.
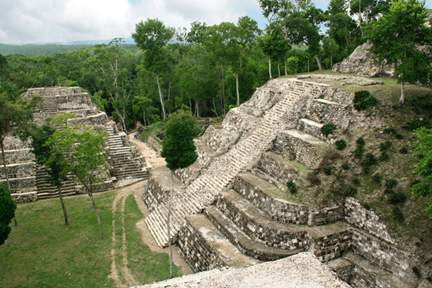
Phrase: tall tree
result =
(152, 37)
(84, 153)
(402, 39)
(7, 212)
(179, 150)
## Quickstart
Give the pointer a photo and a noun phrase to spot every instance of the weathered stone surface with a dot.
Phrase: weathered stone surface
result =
(299, 271)
(361, 62)
(25, 197)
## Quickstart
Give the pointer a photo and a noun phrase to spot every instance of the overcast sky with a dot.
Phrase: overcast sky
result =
(43, 21)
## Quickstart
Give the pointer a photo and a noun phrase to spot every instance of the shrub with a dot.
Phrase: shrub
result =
(328, 129)
(346, 166)
(404, 150)
(369, 161)
(397, 198)
(398, 215)
(384, 156)
(367, 206)
(364, 100)
(292, 187)
(384, 147)
(390, 184)
(377, 179)
(7, 212)
(328, 170)
(355, 182)
(341, 144)
(393, 132)
(360, 148)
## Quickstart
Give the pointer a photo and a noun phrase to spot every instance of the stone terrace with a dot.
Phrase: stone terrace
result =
(233, 210)
(30, 182)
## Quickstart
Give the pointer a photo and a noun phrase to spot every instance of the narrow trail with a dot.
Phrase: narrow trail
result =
(122, 276)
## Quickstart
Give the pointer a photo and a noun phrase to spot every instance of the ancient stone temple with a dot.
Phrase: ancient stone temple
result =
(30, 182)
(235, 207)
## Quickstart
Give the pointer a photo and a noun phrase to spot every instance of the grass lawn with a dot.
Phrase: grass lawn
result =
(42, 252)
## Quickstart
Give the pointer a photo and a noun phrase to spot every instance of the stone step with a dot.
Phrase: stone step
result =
(270, 199)
(252, 248)
(311, 127)
(327, 241)
(217, 243)
(300, 146)
(326, 111)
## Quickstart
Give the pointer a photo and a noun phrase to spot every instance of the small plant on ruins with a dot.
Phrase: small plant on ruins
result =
(390, 184)
(377, 179)
(328, 129)
(360, 148)
(292, 187)
(364, 100)
(423, 149)
(396, 198)
(328, 169)
(341, 144)
(7, 212)
(83, 149)
(393, 132)
(398, 214)
(314, 179)
(404, 150)
(346, 166)
(368, 163)
(385, 151)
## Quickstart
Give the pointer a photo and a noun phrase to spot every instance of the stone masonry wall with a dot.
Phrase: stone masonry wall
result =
(196, 252)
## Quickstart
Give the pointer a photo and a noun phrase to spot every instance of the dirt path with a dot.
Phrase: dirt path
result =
(122, 277)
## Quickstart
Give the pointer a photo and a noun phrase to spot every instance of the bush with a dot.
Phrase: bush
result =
(355, 182)
(404, 150)
(397, 198)
(369, 161)
(377, 179)
(328, 170)
(7, 212)
(364, 100)
(398, 215)
(384, 156)
(384, 147)
(292, 187)
(393, 132)
(346, 166)
(360, 148)
(328, 129)
(341, 144)
(390, 184)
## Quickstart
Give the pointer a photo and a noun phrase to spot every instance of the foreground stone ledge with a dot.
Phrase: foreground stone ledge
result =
(300, 271)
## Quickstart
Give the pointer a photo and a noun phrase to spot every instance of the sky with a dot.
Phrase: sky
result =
(59, 21)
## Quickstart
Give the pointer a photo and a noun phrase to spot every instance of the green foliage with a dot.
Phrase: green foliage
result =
(292, 187)
(377, 178)
(393, 132)
(328, 129)
(390, 184)
(360, 148)
(346, 166)
(364, 100)
(178, 147)
(293, 64)
(341, 144)
(328, 170)
(396, 37)
(423, 150)
(398, 214)
(368, 163)
(396, 198)
(7, 212)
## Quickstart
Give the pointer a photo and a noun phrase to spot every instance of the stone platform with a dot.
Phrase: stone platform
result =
(300, 271)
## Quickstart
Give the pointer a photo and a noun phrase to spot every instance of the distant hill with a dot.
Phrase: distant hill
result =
(53, 48)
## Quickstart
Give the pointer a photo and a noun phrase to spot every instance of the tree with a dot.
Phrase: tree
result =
(178, 149)
(143, 106)
(330, 49)
(401, 38)
(424, 167)
(7, 212)
(82, 147)
(152, 37)
(50, 156)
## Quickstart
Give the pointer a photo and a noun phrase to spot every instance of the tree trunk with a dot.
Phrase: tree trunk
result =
(318, 63)
(144, 118)
(270, 68)
(331, 62)
(214, 107)
(197, 114)
(223, 91)
(96, 211)
(279, 70)
(190, 105)
(402, 95)
(237, 89)
(169, 98)
(285, 68)
(63, 205)
(161, 98)
(308, 65)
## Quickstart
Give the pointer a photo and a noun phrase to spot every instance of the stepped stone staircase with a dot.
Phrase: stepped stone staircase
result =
(29, 182)
(235, 213)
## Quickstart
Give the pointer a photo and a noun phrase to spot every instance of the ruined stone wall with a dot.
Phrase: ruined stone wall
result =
(196, 252)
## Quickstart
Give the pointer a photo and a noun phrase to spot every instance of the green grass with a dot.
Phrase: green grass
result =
(145, 265)
(42, 252)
